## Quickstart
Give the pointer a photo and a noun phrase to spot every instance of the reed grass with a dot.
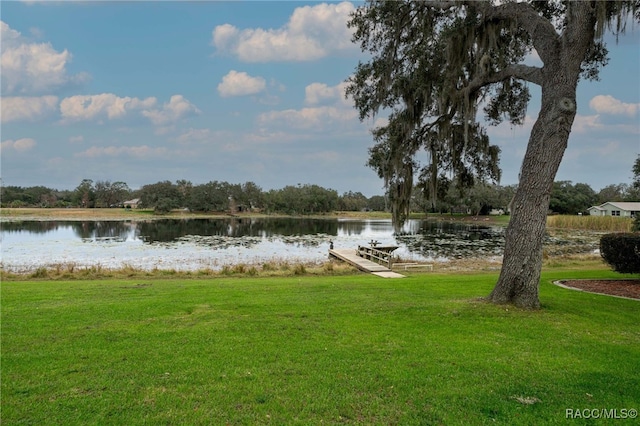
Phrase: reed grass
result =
(274, 268)
(591, 223)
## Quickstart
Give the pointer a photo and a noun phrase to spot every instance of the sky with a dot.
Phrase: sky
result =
(141, 92)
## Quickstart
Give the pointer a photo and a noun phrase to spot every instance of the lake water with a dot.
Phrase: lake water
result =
(192, 244)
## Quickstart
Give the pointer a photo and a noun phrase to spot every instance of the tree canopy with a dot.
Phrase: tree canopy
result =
(434, 63)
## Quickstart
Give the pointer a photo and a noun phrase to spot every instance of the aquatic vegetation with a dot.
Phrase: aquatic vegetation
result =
(269, 245)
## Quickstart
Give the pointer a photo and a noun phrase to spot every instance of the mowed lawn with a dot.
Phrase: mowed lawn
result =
(313, 350)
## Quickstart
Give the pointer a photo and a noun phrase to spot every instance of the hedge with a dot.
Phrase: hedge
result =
(621, 251)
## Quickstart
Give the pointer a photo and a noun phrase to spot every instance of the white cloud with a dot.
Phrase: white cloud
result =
(176, 109)
(223, 141)
(143, 151)
(328, 107)
(586, 124)
(317, 93)
(194, 135)
(224, 35)
(311, 33)
(76, 139)
(593, 124)
(9, 36)
(606, 104)
(87, 107)
(266, 136)
(380, 122)
(20, 145)
(308, 118)
(27, 108)
(240, 84)
(29, 68)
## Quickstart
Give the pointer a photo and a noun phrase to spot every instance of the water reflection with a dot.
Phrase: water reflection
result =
(180, 242)
(174, 229)
(86, 230)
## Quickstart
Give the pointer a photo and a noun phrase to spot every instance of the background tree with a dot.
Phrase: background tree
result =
(161, 196)
(433, 62)
(302, 199)
(252, 195)
(377, 203)
(567, 198)
(352, 201)
(210, 197)
(635, 182)
(613, 192)
(483, 198)
(434, 193)
(110, 194)
(184, 188)
(84, 194)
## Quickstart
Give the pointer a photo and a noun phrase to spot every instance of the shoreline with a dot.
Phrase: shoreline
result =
(554, 254)
(102, 214)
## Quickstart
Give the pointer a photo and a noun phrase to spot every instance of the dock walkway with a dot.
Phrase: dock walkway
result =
(350, 256)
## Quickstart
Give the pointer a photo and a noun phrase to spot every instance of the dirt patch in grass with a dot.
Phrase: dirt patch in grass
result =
(625, 288)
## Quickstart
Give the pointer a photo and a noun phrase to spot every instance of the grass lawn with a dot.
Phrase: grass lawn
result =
(313, 350)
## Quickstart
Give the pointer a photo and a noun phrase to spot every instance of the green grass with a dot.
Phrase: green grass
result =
(312, 350)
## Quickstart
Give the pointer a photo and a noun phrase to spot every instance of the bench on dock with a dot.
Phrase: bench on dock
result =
(406, 266)
(379, 254)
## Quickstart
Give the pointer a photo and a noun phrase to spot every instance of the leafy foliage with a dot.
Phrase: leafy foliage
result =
(621, 251)
(415, 73)
(161, 196)
(110, 194)
(636, 173)
(432, 63)
(84, 194)
(567, 198)
(302, 199)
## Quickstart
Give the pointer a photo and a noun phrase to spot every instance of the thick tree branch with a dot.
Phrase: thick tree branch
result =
(540, 29)
(580, 32)
(519, 71)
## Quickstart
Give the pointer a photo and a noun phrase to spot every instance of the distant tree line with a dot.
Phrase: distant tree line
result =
(216, 196)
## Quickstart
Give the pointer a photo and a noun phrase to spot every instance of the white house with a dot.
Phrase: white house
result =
(131, 204)
(621, 209)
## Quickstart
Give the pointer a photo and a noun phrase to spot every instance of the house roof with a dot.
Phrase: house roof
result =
(622, 205)
(134, 201)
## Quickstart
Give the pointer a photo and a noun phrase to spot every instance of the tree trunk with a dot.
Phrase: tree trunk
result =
(520, 275)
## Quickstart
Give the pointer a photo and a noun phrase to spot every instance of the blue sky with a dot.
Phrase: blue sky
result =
(142, 92)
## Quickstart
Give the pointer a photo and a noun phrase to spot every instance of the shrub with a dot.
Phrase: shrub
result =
(239, 269)
(621, 251)
(299, 269)
(41, 272)
(268, 266)
(163, 206)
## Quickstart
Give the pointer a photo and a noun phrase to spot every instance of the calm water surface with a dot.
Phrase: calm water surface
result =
(192, 244)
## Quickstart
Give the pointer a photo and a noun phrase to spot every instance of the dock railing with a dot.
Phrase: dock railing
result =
(381, 254)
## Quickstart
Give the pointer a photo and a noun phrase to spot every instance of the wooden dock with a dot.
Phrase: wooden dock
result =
(351, 256)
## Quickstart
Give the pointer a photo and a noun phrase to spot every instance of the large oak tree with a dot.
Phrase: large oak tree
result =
(432, 63)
